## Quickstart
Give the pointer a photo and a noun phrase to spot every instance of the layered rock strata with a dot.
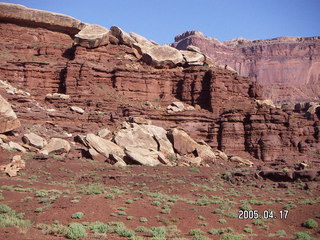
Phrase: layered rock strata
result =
(288, 67)
(110, 82)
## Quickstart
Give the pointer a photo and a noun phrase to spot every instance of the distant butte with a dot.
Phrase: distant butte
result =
(287, 67)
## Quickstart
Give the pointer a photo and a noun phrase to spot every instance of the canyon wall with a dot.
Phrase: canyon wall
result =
(112, 82)
(287, 67)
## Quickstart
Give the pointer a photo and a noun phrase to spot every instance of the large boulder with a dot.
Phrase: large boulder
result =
(205, 153)
(193, 58)
(182, 142)
(122, 36)
(8, 118)
(92, 36)
(39, 18)
(14, 166)
(147, 157)
(163, 56)
(241, 161)
(160, 135)
(135, 136)
(142, 44)
(103, 146)
(34, 140)
(142, 40)
(56, 146)
(16, 146)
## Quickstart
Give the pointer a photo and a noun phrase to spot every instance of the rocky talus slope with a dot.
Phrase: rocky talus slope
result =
(287, 67)
(66, 86)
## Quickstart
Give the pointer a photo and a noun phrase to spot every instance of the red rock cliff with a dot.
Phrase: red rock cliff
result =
(111, 82)
(288, 67)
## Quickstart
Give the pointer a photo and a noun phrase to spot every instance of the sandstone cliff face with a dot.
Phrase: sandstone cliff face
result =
(288, 67)
(111, 82)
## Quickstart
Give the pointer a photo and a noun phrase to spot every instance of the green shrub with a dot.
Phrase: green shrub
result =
(231, 236)
(100, 227)
(76, 231)
(5, 208)
(10, 220)
(302, 236)
(196, 231)
(222, 220)
(41, 193)
(93, 189)
(124, 232)
(143, 219)
(77, 215)
(215, 231)
(246, 207)
(310, 223)
(257, 222)
(248, 230)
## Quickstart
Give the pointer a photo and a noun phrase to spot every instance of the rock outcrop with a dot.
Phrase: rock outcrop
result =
(111, 82)
(8, 118)
(53, 21)
(288, 67)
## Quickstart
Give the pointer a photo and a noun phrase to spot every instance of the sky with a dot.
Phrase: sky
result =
(162, 20)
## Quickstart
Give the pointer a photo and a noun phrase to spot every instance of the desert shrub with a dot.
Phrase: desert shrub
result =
(77, 215)
(215, 231)
(41, 193)
(158, 232)
(5, 208)
(310, 223)
(248, 230)
(124, 232)
(246, 207)
(196, 231)
(93, 189)
(231, 236)
(9, 219)
(100, 227)
(302, 236)
(143, 219)
(76, 231)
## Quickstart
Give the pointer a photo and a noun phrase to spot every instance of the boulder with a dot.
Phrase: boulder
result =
(8, 118)
(135, 136)
(176, 107)
(16, 146)
(39, 18)
(119, 162)
(143, 156)
(12, 168)
(140, 120)
(56, 146)
(266, 102)
(163, 56)
(57, 96)
(104, 132)
(189, 161)
(221, 155)
(142, 40)
(103, 146)
(182, 142)
(34, 140)
(205, 153)
(142, 44)
(194, 49)
(123, 37)
(193, 58)
(241, 161)
(160, 135)
(92, 36)
(77, 109)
